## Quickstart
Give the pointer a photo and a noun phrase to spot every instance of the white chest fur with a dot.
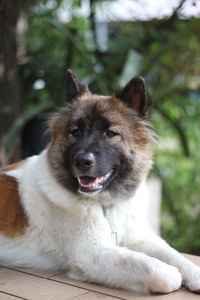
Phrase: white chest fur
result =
(58, 219)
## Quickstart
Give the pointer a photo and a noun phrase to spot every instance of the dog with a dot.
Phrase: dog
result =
(79, 206)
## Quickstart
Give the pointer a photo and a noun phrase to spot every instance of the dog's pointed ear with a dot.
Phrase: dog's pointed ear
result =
(74, 88)
(135, 95)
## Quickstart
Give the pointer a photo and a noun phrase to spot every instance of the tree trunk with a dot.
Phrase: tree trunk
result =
(9, 85)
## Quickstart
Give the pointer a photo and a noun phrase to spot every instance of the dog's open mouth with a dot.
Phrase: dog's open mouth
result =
(89, 184)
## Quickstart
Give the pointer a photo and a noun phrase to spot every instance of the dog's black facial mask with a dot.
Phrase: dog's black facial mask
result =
(92, 159)
(94, 146)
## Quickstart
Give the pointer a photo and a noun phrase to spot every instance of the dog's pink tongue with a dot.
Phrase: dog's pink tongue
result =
(87, 181)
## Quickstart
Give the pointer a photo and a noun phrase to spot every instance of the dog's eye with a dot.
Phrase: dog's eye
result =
(111, 133)
(75, 133)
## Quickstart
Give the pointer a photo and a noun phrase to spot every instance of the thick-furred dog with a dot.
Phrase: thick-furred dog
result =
(79, 206)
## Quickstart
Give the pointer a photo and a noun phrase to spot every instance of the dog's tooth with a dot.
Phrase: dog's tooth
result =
(100, 180)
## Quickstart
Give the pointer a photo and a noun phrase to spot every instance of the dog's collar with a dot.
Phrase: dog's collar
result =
(114, 236)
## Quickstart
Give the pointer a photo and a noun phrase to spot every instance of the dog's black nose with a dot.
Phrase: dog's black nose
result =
(84, 161)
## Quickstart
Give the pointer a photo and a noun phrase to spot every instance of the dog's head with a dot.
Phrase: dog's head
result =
(101, 143)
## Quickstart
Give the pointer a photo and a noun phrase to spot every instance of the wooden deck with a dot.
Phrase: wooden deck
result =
(18, 283)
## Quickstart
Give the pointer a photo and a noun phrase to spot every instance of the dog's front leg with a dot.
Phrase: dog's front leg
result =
(122, 268)
(154, 246)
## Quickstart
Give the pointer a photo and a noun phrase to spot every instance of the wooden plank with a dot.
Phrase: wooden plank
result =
(36, 272)
(5, 296)
(34, 288)
(183, 295)
(193, 258)
(94, 296)
(93, 287)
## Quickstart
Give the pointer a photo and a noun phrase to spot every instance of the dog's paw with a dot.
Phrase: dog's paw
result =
(166, 279)
(192, 280)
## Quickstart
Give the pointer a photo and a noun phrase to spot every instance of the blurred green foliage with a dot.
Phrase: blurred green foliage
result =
(166, 53)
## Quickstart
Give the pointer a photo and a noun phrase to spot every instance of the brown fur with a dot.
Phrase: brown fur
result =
(122, 118)
(14, 166)
(13, 220)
